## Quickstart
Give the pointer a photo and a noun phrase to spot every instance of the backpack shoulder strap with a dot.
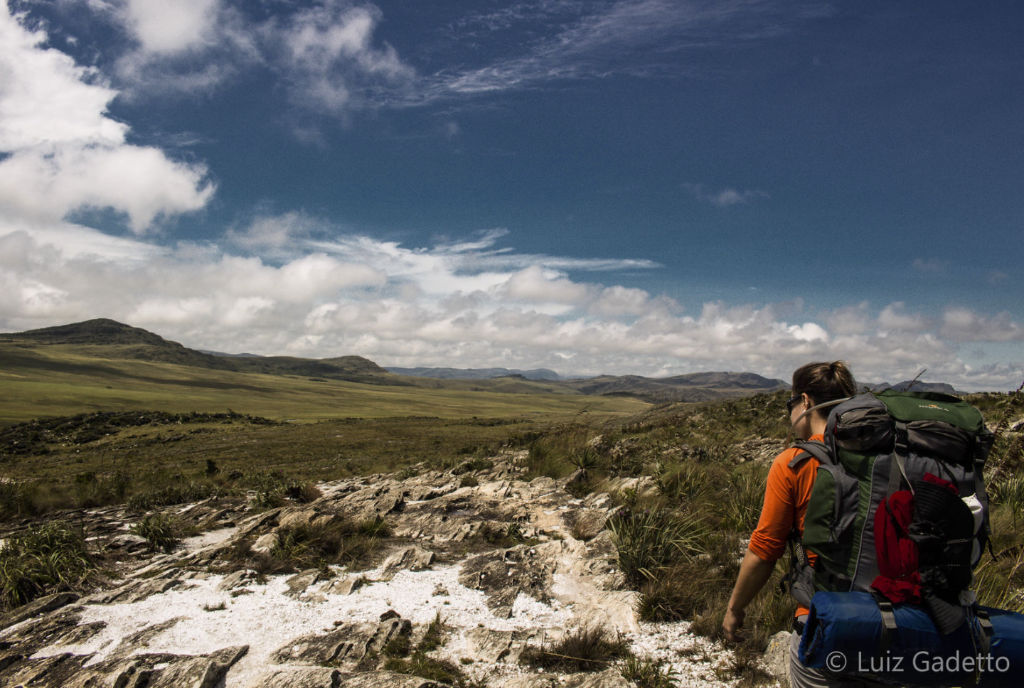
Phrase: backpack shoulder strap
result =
(808, 449)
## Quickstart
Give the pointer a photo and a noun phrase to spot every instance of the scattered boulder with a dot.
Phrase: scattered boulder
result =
(408, 558)
(347, 645)
(776, 657)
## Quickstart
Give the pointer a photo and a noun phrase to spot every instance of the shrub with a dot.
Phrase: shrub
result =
(161, 531)
(48, 558)
(585, 649)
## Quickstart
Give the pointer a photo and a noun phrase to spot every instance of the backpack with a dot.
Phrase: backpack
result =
(898, 507)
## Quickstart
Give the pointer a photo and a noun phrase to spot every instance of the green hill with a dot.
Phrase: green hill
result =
(102, 365)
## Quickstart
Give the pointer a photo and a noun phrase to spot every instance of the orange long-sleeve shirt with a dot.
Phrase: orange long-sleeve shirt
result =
(785, 503)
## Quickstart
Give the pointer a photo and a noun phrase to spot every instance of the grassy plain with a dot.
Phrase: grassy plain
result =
(61, 380)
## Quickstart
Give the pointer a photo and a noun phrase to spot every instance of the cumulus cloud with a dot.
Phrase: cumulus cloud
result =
(962, 324)
(65, 153)
(896, 318)
(444, 305)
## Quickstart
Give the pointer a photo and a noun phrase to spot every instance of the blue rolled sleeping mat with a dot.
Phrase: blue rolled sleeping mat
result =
(845, 634)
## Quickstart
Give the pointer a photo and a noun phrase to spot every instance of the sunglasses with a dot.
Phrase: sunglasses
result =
(793, 402)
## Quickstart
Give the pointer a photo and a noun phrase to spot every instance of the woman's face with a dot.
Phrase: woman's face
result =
(801, 425)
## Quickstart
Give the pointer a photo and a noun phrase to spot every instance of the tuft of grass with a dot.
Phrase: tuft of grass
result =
(304, 546)
(434, 637)
(399, 646)
(45, 559)
(93, 490)
(17, 499)
(172, 494)
(432, 669)
(649, 540)
(302, 492)
(648, 673)
(584, 649)
(402, 659)
(683, 483)
(161, 531)
(741, 505)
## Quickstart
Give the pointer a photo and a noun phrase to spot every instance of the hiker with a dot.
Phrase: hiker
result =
(785, 504)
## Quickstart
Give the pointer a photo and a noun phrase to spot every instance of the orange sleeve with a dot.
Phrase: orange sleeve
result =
(768, 540)
(785, 504)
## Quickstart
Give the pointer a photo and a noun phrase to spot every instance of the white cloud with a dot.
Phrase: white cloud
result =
(45, 98)
(961, 324)
(329, 55)
(536, 285)
(443, 305)
(71, 155)
(724, 198)
(170, 27)
(895, 317)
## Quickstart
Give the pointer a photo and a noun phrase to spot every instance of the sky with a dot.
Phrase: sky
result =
(648, 187)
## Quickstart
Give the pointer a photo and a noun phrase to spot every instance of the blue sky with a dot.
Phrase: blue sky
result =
(644, 186)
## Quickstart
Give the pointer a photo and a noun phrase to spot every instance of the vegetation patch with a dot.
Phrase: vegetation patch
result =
(162, 532)
(176, 493)
(48, 558)
(584, 649)
(650, 540)
(647, 673)
(304, 546)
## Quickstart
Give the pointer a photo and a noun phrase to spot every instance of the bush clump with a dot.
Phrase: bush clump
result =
(49, 558)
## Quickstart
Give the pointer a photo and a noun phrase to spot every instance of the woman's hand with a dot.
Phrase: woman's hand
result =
(732, 623)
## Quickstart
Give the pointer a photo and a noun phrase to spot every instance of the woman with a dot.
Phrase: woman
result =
(785, 502)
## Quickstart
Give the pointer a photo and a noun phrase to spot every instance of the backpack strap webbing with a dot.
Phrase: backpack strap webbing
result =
(889, 627)
(985, 639)
(810, 448)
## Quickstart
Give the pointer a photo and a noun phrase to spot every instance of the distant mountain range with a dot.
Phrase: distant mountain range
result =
(111, 339)
(476, 373)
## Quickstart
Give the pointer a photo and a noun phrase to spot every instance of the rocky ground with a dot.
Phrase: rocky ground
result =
(497, 567)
